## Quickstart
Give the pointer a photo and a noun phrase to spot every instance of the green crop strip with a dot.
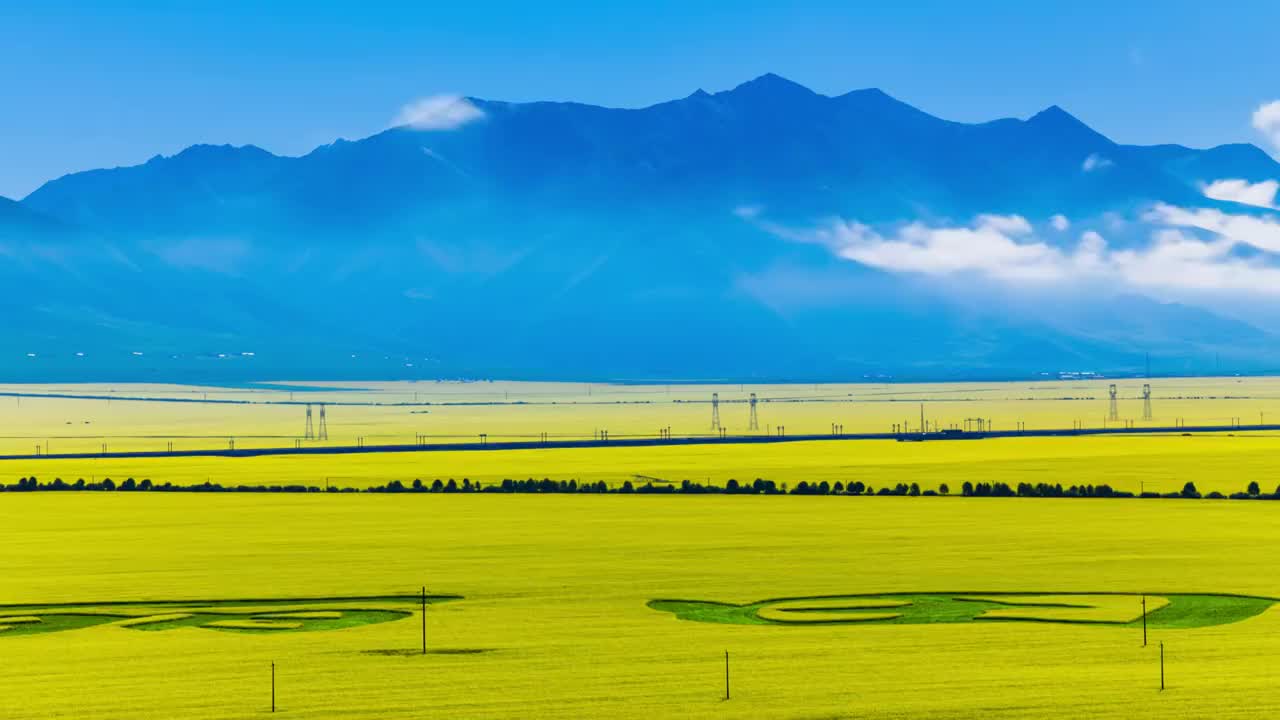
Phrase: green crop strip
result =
(1164, 611)
(245, 616)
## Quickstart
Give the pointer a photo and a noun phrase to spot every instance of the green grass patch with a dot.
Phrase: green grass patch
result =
(1113, 609)
(57, 623)
(256, 615)
(1191, 611)
(1116, 609)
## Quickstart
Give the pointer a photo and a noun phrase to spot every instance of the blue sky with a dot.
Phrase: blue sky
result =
(108, 83)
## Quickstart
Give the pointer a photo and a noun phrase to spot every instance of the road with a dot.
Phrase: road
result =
(648, 441)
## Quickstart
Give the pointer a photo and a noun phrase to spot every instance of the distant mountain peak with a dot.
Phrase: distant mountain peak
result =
(1059, 122)
(1055, 116)
(771, 84)
(869, 92)
(226, 149)
(875, 97)
(208, 153)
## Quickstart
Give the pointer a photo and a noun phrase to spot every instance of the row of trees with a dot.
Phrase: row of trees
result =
(130, 485)
(1000, 489)
(758, 487)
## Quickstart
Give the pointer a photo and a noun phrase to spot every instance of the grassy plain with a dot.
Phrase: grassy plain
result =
(554, 622)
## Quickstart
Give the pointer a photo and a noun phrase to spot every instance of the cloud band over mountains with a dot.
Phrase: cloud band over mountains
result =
(1188, 249)
(438, 112)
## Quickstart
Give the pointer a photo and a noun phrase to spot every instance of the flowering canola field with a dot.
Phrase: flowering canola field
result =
(543, 606)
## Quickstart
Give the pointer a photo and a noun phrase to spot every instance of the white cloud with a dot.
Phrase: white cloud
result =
(1008, 224)
(994, 246)
(1006, 249)
(1261, 194)
(1262, 233)
(1060, 223)
(438, 112)
(1178, 260)
(1266, 120)
(1095, 162)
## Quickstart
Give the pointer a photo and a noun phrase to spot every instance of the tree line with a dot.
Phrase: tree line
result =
(759, 486)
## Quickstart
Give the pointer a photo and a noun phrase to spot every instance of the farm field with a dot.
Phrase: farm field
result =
(554, 618)
(84, 418)
(1154, 463)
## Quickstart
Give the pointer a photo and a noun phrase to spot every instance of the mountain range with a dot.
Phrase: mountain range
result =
(562, 240)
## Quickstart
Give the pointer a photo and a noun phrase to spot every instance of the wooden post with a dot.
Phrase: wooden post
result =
(273, 687)
(1144, 620)
(726, 674)
(1161, 665)
(424, 619)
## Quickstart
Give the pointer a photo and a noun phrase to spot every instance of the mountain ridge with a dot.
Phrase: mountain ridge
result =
(1053, 113)
(613, 240)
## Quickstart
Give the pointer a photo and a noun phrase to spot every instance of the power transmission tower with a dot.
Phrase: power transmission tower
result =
(1146, 402)
(324, 425)
(715, 411)
(1114, 413)
(310, 433)
(754, 423)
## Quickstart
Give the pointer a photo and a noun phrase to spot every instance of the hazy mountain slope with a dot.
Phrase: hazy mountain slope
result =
(561, 239)
(20, 222)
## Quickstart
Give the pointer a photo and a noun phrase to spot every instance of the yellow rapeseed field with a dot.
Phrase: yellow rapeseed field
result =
(456, 412)
(553, 622)
(553, 618)
(388, 413)
(1158, 463)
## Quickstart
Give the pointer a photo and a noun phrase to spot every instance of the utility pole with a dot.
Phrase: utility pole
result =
(1162, 665)
(1144, 620)
(726, 674)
